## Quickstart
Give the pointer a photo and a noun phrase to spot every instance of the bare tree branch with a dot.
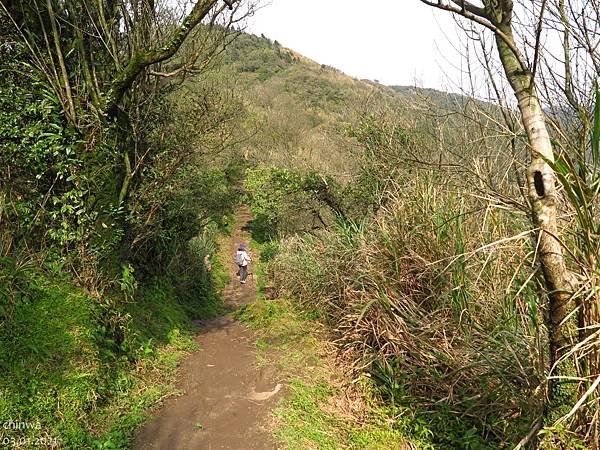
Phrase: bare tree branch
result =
(139, 62)
(484, 19)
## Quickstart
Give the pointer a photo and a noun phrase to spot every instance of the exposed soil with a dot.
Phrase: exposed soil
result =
(226, 398)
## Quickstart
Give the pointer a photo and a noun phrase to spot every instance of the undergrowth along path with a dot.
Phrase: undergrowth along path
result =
(226, 399)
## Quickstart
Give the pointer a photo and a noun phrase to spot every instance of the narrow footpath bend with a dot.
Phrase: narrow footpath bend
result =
(227, 398)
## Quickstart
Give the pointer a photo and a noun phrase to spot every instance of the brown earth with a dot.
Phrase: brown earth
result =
(226, 398)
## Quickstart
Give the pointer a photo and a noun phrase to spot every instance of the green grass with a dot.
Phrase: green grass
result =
(80, 371)
(305, 420)
(309, 416)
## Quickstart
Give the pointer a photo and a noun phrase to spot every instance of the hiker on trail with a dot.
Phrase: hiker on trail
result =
(242, 259)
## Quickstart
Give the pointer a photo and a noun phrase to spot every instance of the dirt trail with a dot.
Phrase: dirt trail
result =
(227, 399)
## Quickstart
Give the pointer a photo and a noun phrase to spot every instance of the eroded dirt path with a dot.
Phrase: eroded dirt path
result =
(227, 398)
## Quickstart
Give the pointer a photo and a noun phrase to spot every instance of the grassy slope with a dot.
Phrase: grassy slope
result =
(298, 111)
(64, 382)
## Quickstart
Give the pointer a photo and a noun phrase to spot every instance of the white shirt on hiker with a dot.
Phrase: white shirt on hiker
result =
(242, 258)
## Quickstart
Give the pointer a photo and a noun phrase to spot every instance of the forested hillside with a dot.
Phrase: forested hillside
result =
(446, 266)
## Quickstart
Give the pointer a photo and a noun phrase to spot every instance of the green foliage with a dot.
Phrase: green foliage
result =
(384, 147)
(128, 282)
(269, 251)
(88, 368)
(286, 202)
(274, 194)
(43, 176)
(317, 91)
(378, 136)
(255, 55)
(196, 201)
(106, 217)
(123, 189)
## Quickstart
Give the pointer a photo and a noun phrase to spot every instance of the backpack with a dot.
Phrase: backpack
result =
(239, 258)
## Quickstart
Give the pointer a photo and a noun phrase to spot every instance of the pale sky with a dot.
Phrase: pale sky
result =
(402, 42)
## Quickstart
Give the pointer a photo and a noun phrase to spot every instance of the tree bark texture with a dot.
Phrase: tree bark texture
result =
(542, 192)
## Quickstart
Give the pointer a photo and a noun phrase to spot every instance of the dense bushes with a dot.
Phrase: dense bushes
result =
(285, 201)
(106, 215)
(43, 182)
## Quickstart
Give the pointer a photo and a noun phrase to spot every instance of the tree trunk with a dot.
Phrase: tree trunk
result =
(541, 183)
(123, 81)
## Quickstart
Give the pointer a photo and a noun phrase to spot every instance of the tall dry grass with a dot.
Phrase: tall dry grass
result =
(435, 297)
(439, 293)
